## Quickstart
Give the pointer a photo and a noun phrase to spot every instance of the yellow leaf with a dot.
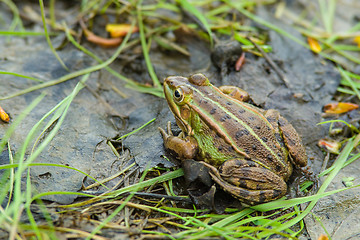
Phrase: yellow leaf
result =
(314, 45)
(340, 107)
(4, 116)
(357, 40)
(119, 30)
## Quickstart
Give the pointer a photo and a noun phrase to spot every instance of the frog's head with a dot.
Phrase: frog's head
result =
(179, 93)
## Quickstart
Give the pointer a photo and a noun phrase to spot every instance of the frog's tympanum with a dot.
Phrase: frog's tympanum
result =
(249, 152)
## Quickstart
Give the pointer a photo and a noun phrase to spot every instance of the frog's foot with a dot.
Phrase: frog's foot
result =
(236, 93)
(248, 183)
(178, 146)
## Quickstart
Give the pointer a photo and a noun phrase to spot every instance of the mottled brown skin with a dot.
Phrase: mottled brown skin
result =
(247, 149)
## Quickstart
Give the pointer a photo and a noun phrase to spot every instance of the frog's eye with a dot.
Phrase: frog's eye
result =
(178, 95)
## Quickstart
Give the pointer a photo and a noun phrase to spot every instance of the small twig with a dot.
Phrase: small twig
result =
(160, 196)
(272, 64)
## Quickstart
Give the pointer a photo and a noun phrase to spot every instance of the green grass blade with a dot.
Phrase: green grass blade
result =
(118, 209)
(15, 165)
(136, 130)
(327, 11)
(23, 76)
(150, 68)
(22, 34)
(194, 11)
(138, 186)
(18, 120)
(41, 3)
(338, 165)
(266, 23)
(72, 75)
(27, 206)
(349, 80)
(130, 83)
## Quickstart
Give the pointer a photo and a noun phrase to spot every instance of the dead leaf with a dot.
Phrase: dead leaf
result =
(119, 30)
(357, 40)
(330, 145)
(103, 42)
(240, 62)
(4, 116)
(323, 237)
(340, 107)
(314, 45)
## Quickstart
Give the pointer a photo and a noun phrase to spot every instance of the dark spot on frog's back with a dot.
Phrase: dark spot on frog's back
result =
(264, 139)
(226, 116)
(270, 157)
(229, 103)
(213, 111)
(278, 167)
(241, 110)
(241, 133)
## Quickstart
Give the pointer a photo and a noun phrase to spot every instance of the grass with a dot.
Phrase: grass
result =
(282, 217)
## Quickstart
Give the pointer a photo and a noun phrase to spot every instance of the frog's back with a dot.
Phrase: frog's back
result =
(242, 126)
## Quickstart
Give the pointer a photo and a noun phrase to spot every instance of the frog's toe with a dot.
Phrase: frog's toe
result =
(169, 128)
(163, 133)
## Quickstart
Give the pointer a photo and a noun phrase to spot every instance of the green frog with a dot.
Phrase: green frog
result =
(249, 151)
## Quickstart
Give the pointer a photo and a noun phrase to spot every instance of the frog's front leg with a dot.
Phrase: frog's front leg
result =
(248, 182)
(236, 93)
(178, 146)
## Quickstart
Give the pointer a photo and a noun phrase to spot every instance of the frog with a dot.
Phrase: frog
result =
(248, 151)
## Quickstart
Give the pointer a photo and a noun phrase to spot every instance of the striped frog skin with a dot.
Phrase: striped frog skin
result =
(249, 151)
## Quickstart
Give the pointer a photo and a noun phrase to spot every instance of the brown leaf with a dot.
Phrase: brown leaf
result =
(103, 42)
(240, 62)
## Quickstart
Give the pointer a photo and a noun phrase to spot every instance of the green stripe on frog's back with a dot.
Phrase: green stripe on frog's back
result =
(219, 112)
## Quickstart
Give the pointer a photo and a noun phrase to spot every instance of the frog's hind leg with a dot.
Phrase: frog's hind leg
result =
(248, 182)
(291, 137)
